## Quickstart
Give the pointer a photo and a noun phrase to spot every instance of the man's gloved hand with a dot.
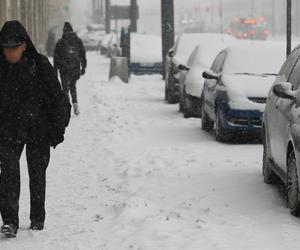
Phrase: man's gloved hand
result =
(82, 71)
(56, 138)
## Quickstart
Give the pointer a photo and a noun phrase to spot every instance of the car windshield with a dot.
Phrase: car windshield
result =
(255, 60)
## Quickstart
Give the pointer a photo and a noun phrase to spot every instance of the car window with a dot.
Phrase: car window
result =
(176, 45)
(218, 63)
(191, 60)
(289, 65)
(295, 75)
(215, 63)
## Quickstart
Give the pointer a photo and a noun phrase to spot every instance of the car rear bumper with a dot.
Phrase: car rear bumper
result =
(145, 69)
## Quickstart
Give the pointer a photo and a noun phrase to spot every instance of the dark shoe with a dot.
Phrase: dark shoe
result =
(9, 230)
(37, 226)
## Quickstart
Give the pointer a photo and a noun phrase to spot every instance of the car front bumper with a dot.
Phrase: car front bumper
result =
(242, 121)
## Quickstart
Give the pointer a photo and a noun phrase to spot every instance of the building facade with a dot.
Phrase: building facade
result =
(32, 13)
(38, 16)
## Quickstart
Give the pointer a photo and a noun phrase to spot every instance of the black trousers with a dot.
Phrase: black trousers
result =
(69, 86)
(37, 159)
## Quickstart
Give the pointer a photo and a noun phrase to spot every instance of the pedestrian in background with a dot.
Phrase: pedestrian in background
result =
(70, 61)
(34, 111)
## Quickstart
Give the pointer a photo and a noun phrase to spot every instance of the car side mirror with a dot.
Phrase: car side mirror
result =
(284, 90)
(171, 53)
(209, 75)
(183, 67)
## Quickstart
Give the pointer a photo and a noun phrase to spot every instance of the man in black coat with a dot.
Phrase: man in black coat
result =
(34, 111)
(70, 60)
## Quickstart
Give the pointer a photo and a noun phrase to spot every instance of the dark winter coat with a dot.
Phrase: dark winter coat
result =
(72, 68)
(33, 107)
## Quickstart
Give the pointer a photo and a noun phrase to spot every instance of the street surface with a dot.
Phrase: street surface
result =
(133, 174)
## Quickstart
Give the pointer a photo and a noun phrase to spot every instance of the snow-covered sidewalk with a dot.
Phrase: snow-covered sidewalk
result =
(133, 174)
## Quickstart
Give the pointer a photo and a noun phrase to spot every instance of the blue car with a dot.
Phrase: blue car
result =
(145, 54)
(145, 68)
(236, 89)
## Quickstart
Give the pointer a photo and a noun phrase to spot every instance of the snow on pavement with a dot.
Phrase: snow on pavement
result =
(133, 174)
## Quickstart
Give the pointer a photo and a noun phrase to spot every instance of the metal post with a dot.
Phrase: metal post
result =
(107, 16)
(289, 28)
(101, 10)
(133, 15)
(167, 25)
(273, 17)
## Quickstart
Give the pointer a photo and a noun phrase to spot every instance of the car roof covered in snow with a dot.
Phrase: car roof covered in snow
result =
(255, 58)
(146, 48)
(187, 42)
(206, 51)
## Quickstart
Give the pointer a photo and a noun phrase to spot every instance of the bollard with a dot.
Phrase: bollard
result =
(119, 67)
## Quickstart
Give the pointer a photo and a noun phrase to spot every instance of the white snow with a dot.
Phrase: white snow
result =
(187, 42)
(257, 58)
(201, 60)
(133, 175)
(146, 48)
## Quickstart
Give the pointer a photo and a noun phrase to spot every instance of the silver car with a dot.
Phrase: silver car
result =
(281, 131)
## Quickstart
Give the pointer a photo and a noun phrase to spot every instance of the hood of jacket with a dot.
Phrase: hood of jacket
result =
(16, 29)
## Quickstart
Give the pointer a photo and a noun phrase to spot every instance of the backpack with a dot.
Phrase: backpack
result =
(70, 54)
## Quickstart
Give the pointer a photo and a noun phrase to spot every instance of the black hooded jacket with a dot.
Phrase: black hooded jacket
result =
(70, 65)
(33, 107)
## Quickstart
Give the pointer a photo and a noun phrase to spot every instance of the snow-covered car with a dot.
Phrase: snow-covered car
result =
(190, 91)
(179, 55)
(104, 43)
(109, 44)
(281, 131)
(236, 89)
(92, 37)
(145, 54)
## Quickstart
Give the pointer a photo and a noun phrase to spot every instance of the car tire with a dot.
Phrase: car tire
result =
(206, 122)
(269, 175)
(222, 135)
(292, 185)
(166, 93)
(169, 93)
(187, 105)
(181, 106)
(171, 98)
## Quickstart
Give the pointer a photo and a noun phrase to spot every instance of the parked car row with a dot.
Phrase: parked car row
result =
(110, 45)
(92, 36)
(239, 92)
(145, 52)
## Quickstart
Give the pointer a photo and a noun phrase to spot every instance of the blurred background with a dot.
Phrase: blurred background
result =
(39, 16)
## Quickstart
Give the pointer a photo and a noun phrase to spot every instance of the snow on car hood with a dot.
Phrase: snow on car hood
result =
(240, 87)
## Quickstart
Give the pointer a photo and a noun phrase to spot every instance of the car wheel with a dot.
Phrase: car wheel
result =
(166, 93)
(206, 122)
(187, 105)
(222, 135)
(292, 185)
(170, 95)
(181, 106)
(269, 176)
